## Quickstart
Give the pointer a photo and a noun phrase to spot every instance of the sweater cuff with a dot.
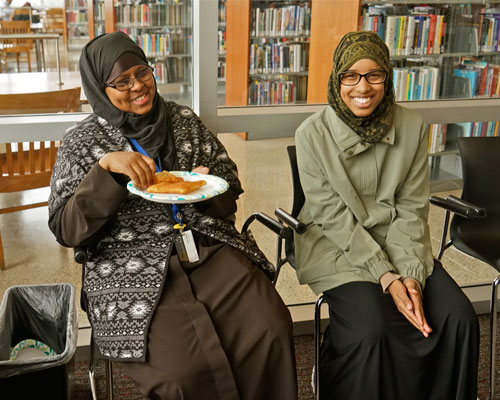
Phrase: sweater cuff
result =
(387, 279)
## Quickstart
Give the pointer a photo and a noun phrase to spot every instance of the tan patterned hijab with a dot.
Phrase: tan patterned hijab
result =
(353, 47)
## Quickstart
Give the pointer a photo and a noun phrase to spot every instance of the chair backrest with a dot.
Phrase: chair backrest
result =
(298, 201)
(28, 165)
(67, 100)
(481, 186)
(55, 21)
(298, 193)
(15, 27)
(21, 14)
(480, 170)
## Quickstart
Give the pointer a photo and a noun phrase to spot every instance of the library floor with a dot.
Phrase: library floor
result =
(32, 255)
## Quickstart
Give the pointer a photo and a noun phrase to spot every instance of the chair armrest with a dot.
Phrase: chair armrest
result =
(276, 226)
(80, 254)
(480, 211)
(292, 222)
(459, 206)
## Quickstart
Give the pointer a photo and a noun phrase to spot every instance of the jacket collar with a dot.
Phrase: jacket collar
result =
(347, 140)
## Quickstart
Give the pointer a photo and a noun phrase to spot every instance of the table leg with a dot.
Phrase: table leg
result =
(58, 63)
(37, 51)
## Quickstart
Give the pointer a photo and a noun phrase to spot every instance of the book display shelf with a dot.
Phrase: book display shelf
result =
(444, 159)
(441, 50)
(164, 31)
(279, 52)
(221, 52)
(97, 19)
(77, 23)
(444, 52)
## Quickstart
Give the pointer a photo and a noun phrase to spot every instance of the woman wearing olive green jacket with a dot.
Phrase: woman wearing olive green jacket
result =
(400, 328)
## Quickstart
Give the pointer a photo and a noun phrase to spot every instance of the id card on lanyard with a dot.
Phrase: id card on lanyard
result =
(184, 242)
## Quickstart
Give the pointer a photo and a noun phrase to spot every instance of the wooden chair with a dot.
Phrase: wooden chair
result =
(21, 14)
(67, 100)
(28, 165)
(55, 22)
(15, 46)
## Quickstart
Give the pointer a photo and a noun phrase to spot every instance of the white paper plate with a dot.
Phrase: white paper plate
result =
(214, 187)
(31, 348)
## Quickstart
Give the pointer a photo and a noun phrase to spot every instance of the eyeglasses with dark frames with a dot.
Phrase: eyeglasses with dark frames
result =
(349, 78)
(142, 75)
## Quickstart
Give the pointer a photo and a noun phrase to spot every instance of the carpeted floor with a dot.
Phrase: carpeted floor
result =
(124, 387)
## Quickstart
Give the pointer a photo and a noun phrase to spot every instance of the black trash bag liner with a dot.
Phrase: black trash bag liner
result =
(46, 313)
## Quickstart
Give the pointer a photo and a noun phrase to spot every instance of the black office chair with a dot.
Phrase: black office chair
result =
(475, 226)
(80, 255)
(299, 227)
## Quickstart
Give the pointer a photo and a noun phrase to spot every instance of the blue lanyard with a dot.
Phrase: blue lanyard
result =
(139, 148)
(176, 212)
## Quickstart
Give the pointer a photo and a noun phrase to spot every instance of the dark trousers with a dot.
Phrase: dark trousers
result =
(220, 332)
(370, 351)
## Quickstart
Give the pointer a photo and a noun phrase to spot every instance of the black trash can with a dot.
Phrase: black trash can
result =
(38, 335)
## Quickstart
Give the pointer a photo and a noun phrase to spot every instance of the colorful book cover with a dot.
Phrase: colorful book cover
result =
(471, 75)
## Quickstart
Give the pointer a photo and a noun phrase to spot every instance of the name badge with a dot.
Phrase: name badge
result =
(186, 247)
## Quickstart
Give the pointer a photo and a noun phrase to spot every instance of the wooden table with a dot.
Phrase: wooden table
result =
(37, 37)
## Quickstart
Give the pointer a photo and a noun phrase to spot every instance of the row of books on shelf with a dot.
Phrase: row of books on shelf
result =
(221, 70)
(282, 91)
(438, 133)
(277, 58)
(171, 70)
(76, 16)
(156, 44)
(416, 83)
(290, 20)
(221, 15)
(409, 30)
(76, 3)
(80, 31)
(480, 78)
(409, 34)
(437, 138)
(272, 92)
(489, 30)
(99, 13)
(221, 41)
(150, 14)
(481, 128)
(99, 29)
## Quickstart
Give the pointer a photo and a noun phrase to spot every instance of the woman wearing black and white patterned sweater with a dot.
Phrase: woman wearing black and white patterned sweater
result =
(211, 329)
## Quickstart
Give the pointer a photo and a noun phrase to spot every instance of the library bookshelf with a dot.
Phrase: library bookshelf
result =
(163, 28)
(221, 51)
(462, 39)
(442, 50)
(315, 42)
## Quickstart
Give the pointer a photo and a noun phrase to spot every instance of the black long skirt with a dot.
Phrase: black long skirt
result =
(370, 351)
(220, 331)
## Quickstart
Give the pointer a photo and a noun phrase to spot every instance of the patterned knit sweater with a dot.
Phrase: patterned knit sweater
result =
(127, 267)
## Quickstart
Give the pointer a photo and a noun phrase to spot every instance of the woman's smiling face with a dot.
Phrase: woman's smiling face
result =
(363, 98)
(138, 99)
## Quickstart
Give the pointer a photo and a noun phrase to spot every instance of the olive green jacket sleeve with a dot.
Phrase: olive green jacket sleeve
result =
(408, 240)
